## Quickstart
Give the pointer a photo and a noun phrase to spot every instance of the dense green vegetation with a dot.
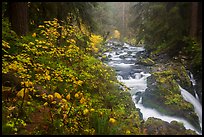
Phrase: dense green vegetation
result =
(53, 81)
(51, 89)
(169, 28)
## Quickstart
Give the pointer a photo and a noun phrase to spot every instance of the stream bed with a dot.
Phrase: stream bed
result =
(122, 57)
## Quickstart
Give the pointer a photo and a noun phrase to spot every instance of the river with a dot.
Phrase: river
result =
(122, 59)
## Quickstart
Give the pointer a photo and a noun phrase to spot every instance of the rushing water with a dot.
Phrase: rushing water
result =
(197, 106)
(193, 83)
(122, 58)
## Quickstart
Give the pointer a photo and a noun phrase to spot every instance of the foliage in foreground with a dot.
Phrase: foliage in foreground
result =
(52, 84)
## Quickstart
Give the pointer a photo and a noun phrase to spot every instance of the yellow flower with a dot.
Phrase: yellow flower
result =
(29, 103)
(73, 41)
(44, 95)
(34, 35)
(5, 44)
(101, 113)
(76, 95)
(65, 106)
(45, 104)
(127, 132)
(64, 116)
(92, 110)
(27, 83)
(82, 100)
(68, 97)
(31, 43)
(21, 92)
(86, 111)
(60, 79)
(57, 95)
(54, 102)
(41, 26)
(64, 100)
(50, 97)
(47, 77)
(112, 120)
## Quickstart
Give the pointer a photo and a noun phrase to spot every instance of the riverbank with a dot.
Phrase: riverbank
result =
(132, 65)
(163, 93)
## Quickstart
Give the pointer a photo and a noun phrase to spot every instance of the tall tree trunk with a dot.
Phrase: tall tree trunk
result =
(18, 15)
(59, 17)
(194, 20)
(200, 21)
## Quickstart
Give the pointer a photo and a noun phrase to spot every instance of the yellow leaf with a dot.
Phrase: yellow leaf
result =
(66, 106)
(29, 103)
(50, 97)
(54, 102)
(64, 100)
(57, 95)
(86, 111)
(68, 97)
(21, 92)
(45, 104)
(80, 82)
(112, 120)
(127, 132)
(47, 77)
(64, 116)
(41, 26)
(44, 95)
(34, 35)
(26, 84)
(82, 100)
(76, 95)
(92, 109)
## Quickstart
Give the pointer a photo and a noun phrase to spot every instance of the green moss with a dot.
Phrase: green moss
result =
(169, 91)
(177, 101)
(165, 81)
(166, 96)
(179, 72)
(147, 61)
(163, 73)
(165, 128)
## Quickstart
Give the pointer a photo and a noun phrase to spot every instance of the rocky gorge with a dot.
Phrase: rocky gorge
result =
(156, 83)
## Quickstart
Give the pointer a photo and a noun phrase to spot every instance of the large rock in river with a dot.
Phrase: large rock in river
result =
(164, 95)
(156, 126)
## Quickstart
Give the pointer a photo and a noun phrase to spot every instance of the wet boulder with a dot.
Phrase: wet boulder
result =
(145, 61)
(164, 95)
(155, 126)
(104, 58)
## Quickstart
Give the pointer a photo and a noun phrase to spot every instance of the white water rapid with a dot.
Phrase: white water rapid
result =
(197, 106)
(193, 83)
(135, 78)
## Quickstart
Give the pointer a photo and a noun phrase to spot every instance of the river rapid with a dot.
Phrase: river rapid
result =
(123, 59)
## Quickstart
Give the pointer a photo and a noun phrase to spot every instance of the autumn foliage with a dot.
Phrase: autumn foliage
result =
(59, 80)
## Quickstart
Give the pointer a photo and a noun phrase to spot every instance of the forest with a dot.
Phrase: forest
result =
(101, 68)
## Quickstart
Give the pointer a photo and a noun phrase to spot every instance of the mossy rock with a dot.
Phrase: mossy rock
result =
(180, 73)
(164, 95)
(104, 58)
(155, 126)
(146, 61)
